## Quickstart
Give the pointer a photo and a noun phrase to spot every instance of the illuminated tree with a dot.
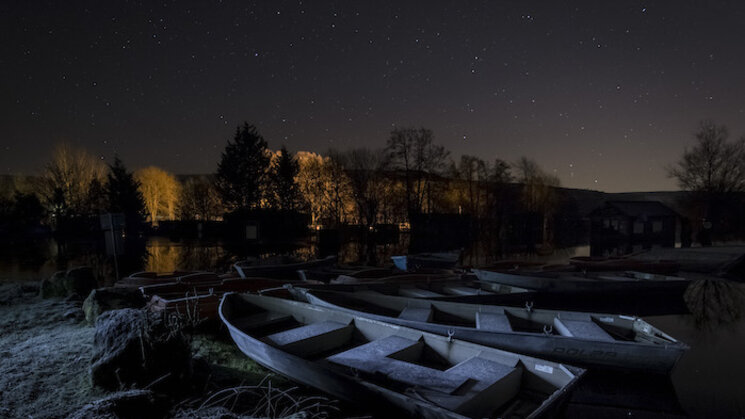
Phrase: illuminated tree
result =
(160, 192)
(72, 182)
(241, 172)
(324, 186)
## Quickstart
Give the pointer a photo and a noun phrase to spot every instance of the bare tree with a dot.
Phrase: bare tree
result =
(413, 151)
(539, 191)
(160, 191)
(713, 165)
(473, 172)
(324, 186)
(341, 192)
(199, 200)
(366, 171)
(72, 181)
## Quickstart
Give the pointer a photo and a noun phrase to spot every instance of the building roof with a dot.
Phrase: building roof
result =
(640, 208)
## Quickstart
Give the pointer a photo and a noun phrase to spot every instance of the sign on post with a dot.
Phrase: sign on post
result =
(112, 226)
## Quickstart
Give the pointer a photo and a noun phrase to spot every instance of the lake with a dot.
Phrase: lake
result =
(707, 382)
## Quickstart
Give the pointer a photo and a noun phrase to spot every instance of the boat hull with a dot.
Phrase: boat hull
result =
(618, 355)
(352, 388)
(558, 283)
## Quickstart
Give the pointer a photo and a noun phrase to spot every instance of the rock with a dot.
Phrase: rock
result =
(75, 281)
(9, 293)
(131, 404)
(54, 286)
(131, 348)
(74, 314)
(74, 299)
(80, 281)
(114, 298)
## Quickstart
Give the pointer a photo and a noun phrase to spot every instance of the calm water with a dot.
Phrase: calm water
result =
(707, 382)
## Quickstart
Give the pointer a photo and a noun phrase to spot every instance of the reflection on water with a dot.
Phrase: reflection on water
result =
(714, 301)
(614, 394)
(28, 261)
(708, 379)
(164, 255)
(40, 259)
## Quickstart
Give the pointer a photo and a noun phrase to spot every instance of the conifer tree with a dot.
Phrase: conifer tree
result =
(242, 169)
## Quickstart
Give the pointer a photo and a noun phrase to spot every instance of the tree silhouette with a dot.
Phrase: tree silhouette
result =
(713, 165)
(284, 193)
(414, 152)
(199, 200)
(713, 171)
(123, 193)
(539, 194)
(366, 171)
(242, 169)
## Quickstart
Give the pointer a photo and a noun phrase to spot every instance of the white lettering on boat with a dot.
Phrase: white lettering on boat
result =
(544, 368)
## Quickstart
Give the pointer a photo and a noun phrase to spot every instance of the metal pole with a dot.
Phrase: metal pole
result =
(113, 244)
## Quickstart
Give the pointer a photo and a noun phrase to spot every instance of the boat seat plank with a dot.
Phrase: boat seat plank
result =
(416, 314)
(420, 376)
(417, 293)
(493, 384)
(485, 371)
(493, 322)
(376, 358)
(265, 318)
(370, 356)
(463, 291)
(313, 338)
(581, 329)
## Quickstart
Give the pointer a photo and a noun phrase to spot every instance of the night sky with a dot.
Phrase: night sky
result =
(604, 94)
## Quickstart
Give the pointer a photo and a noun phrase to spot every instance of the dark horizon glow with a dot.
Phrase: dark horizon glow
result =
(604, 95)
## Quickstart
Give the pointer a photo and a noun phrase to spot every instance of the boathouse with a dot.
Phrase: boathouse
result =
(621, 227)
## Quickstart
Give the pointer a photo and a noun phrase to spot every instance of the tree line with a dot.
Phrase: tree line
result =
(407, 178)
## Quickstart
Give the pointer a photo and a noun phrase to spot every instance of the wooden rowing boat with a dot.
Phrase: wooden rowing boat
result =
(444, 260)
(594, 264)
(326, 274)
(140, 279)
(199, 301)
(564, 282)
(395, 371)
(421, 286)
(273, 269)
(586, 339)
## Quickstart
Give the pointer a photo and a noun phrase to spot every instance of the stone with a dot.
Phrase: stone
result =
(78, 281)
(113, 298)
(132, 349)
(75, 314)
(130, 404)
(53, 286)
